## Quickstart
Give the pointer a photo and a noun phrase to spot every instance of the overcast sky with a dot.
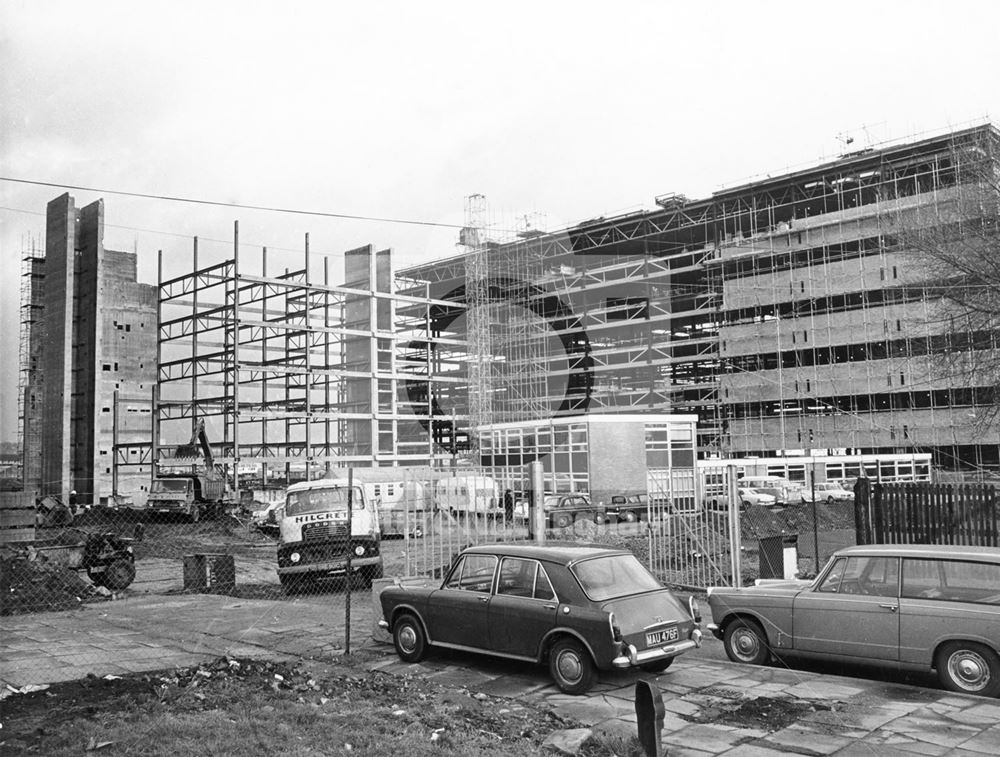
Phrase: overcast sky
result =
(566, 109)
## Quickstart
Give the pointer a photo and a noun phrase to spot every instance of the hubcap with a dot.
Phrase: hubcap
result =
(746, 644)
(969, 669)
(407, 638)
(569, 666)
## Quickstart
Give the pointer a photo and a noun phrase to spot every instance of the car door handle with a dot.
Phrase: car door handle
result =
(550, 607)
(485, 598)
(891, 608)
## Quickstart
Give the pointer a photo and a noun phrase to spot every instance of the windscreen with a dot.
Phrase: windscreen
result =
(166, 485)
(614, 576)
(322, 500)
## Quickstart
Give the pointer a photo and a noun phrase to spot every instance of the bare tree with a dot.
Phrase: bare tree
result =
(955, 241)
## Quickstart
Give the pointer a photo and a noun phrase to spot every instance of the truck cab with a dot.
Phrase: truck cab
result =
(314, 539)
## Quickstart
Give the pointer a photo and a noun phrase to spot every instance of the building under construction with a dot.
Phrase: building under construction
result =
(796, 313)
(292, 372)
(88, 336)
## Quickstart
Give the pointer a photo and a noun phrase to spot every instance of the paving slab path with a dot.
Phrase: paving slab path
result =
(712, 707)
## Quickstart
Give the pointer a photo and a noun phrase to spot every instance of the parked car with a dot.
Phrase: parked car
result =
(917, 607)
(828, 491)
(578, 608)
(753, 498)
(628, 508)
(563, 510)
(748, 498)
(785, 492)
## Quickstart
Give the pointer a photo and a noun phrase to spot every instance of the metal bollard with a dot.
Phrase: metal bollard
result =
(649, 715)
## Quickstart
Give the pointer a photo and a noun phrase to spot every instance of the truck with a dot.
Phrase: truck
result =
(196, 486)
(314, 540)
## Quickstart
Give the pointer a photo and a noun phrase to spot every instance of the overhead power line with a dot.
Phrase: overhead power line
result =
(221, 204)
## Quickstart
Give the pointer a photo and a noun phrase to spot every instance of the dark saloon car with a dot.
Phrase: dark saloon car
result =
(910, 606)
(578, 608)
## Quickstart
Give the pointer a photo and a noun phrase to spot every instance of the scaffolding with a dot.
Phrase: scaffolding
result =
(790, 313)
(292, 374)
(29, 390)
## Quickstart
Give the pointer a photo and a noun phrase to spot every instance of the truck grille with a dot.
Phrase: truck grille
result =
(323, 530)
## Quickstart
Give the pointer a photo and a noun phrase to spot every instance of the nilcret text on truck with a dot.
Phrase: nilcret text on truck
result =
(313, 536)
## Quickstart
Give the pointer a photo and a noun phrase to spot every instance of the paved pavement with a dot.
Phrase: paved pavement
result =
(712, 707)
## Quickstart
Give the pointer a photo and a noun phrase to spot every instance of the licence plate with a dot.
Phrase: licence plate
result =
(654, 638)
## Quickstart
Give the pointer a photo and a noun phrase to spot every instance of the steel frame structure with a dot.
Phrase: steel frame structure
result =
(261, 357)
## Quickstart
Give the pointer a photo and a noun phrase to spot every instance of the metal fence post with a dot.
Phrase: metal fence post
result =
(735, 532)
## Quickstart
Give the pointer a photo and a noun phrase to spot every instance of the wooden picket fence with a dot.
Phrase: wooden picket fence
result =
(925, 513)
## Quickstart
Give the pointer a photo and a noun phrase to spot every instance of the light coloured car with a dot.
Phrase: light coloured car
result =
(920, 607)
(755, 498)
(828, 491)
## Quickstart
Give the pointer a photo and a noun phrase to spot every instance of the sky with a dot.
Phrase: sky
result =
(399, 110)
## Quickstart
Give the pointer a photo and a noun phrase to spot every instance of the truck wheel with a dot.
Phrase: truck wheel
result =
(119, 574)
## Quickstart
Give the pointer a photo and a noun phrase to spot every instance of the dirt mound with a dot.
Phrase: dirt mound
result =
(39, 587)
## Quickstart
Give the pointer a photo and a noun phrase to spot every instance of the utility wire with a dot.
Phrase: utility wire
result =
(221, 204)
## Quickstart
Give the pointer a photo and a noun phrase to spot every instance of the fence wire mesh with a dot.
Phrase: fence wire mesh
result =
(682, 527)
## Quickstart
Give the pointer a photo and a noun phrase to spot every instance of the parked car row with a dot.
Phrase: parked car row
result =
(583, 608)
(921, 607)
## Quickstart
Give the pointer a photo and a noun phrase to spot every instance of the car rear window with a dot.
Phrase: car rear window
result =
(614, 576)
(952, 580)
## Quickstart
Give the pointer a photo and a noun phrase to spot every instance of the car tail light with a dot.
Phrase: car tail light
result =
(695, 611)
(616, 632)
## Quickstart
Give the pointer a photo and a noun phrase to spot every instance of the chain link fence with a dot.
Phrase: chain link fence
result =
(682, 527)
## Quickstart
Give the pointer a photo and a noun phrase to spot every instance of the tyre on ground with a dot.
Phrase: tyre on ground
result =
(969, 667)
(119, 574)
(745, 641)
(571, 667)
(409, 639)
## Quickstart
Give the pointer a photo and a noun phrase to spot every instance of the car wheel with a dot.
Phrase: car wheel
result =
(745, 641)
(969, 668)
(119, 574)
(562, 520)
(659, 666)
(829, 500)
(571, 666)
(629, 516)
(409, 639)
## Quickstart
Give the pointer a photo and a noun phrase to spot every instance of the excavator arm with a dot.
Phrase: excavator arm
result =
(197, 448)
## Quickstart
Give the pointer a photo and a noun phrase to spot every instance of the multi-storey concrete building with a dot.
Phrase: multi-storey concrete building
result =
(794, 313)
(88, 358)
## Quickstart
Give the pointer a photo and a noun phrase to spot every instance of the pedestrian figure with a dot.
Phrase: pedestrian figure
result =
(508, 507)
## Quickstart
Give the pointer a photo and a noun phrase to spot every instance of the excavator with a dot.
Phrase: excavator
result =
(201, 491)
